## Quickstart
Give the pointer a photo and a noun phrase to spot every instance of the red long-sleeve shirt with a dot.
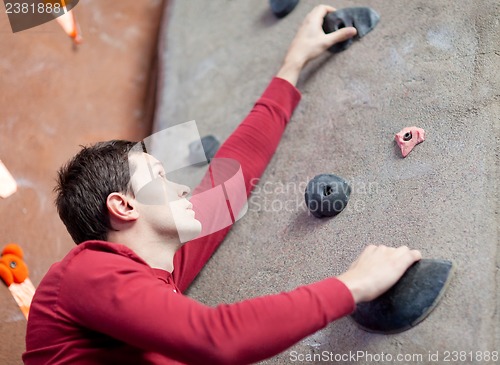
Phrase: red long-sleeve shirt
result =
(102, 304)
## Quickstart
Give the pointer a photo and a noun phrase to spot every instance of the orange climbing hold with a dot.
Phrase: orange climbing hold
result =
(14, 273)
(68, 22)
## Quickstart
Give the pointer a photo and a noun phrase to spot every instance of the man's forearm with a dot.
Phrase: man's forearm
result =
(252, 144)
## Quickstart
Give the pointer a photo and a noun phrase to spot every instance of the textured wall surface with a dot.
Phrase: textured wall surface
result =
(53, 99)
(433, 64)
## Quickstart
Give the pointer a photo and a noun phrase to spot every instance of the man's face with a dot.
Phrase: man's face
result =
(160, 202)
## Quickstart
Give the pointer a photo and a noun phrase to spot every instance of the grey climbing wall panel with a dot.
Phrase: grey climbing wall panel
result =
(433, 64)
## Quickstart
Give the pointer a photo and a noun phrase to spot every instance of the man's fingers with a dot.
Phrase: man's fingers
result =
(416, 255)
(319, 12)
(407, 256)
(370, 248)
(322, 10)
(341, 35)
(377, 269)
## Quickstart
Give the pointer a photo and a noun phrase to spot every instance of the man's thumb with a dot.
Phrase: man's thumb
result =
(341, 35)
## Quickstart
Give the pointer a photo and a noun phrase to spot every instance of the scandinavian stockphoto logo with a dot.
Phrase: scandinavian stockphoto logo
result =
(177, 154)
(26, 14)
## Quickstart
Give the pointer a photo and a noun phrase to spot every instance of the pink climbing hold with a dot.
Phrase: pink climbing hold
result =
(408, 138)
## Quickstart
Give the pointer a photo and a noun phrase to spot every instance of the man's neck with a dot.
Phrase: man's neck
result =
(158, 253)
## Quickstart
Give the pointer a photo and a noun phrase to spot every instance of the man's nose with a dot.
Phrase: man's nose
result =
(183, 190)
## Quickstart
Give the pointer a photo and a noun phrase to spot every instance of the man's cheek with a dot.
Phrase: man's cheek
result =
(153, 193)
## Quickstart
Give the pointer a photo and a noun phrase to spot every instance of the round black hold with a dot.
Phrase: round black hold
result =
(331, 23)
(13, 264)
(327, 195)
(407, 136)
(282, 8)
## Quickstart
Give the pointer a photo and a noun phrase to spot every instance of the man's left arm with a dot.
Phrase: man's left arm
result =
(255, 140)
(252, 145)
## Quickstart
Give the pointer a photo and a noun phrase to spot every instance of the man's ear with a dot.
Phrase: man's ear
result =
(121, 208)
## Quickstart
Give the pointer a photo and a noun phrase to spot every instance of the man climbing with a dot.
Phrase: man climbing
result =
(117, 297)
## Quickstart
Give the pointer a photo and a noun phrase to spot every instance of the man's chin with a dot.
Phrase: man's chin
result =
(190, 232)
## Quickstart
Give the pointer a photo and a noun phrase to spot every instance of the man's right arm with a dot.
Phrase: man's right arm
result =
(127, 302)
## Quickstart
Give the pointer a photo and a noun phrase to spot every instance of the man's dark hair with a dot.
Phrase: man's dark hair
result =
(84, 183)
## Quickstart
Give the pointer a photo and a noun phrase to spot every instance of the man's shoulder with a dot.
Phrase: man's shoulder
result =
(92, 257)
(90, 274)
(86, 268)
(95, 251)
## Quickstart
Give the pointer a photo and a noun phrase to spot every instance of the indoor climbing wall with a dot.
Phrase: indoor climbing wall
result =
(430, 64)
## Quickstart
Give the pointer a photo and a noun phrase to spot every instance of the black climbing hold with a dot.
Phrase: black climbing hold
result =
(362, 18)
(282, 8)
(210, 146)
(327, 195)
(333, 22)
(409, 301)
(407, 136)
